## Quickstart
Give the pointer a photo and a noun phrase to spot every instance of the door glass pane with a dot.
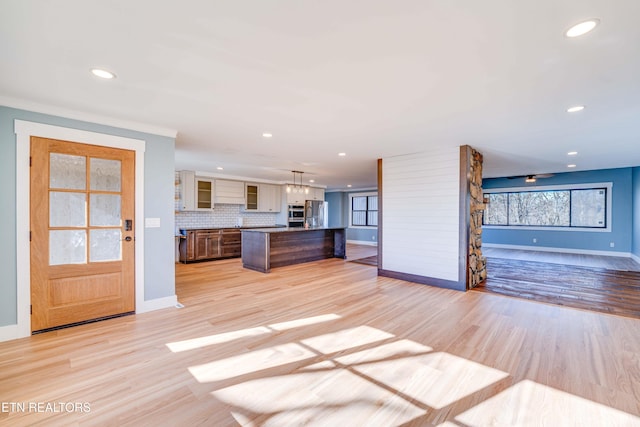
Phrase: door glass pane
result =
(67, 247)
(105, 210)
(67, 209)
(66, 171)
(105, 245)
(105, 175)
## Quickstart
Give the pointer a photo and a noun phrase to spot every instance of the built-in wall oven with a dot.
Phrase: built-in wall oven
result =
(296, 215)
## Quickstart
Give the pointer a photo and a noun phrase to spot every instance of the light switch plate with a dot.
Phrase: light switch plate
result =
(152, 222)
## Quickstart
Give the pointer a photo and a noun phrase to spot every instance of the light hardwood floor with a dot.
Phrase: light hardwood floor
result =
(330, 343)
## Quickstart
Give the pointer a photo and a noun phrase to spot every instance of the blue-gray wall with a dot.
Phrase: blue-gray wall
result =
(159, 203)
(336, 208)
(8, 284)
(635, 245)
(339, 217)
(621, 220)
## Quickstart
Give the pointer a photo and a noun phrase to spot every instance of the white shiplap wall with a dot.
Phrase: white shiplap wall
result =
(421, 214)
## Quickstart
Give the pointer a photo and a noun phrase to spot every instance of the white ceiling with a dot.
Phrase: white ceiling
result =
(370, 78)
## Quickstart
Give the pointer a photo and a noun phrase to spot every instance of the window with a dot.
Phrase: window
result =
(364, 210)
(549, 207)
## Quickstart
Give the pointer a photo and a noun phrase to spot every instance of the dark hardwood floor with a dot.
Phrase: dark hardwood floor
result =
(605, 284)
(585, 287)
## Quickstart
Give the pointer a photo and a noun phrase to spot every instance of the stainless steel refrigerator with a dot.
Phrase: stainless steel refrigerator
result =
(316, 213)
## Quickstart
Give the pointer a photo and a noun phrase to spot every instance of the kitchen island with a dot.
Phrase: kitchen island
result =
(267, 248)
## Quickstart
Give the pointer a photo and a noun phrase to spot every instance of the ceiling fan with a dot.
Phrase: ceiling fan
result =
(532, 177)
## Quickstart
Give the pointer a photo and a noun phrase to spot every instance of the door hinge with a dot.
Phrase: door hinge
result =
(29, 235)
(30, 161)
(31, 309)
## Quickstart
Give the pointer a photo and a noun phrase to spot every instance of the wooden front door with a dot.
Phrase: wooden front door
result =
(82, 232)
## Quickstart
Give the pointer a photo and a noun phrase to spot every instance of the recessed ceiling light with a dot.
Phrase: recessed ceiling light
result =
(572, 153)
(103, 74)
(312, 180)
(571, 166)
(342, 154)
(582, 28)
(220, 168)
(349, 185)
(267, 135)
(575, 109)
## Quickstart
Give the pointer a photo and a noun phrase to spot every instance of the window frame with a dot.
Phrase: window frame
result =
(368, 194)
(608, 186)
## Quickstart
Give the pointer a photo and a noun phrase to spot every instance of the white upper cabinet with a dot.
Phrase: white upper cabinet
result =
(269, 198)
(231, 192)
(316, 194)
(196, 193)
(263, 197)
(187, 191)
(204, 194)
(299, 197)
(251, 197)
(296, 198)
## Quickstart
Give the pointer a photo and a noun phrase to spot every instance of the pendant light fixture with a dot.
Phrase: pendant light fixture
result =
(295, 188)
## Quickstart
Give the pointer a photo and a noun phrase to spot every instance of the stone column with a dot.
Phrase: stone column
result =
(477, 263)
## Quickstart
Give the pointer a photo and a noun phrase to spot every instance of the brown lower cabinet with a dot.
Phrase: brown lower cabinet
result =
(209, 244)
(230, 243)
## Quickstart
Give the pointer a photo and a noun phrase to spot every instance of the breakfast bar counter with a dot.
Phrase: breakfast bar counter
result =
(267, 248)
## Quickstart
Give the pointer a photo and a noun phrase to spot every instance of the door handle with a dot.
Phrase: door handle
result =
(127, 239)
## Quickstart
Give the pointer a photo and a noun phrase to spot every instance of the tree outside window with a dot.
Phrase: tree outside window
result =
(584, 208)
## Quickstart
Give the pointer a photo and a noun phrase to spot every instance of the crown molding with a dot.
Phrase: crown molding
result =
(36, 107)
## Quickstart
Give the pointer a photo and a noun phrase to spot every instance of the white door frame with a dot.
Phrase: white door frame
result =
(24, 131)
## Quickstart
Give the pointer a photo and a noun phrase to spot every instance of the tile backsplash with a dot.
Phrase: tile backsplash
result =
(224, 216)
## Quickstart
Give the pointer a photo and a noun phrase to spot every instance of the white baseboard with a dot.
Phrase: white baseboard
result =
(362, 242)
(10, 332)
(561, 250)
(157, 304)
(636, 258)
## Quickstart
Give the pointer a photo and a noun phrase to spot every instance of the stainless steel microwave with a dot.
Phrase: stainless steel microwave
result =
(296, 211)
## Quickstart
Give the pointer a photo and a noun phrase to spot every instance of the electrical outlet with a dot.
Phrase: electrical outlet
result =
(373, 237)
(535, 240)
(612, 245)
